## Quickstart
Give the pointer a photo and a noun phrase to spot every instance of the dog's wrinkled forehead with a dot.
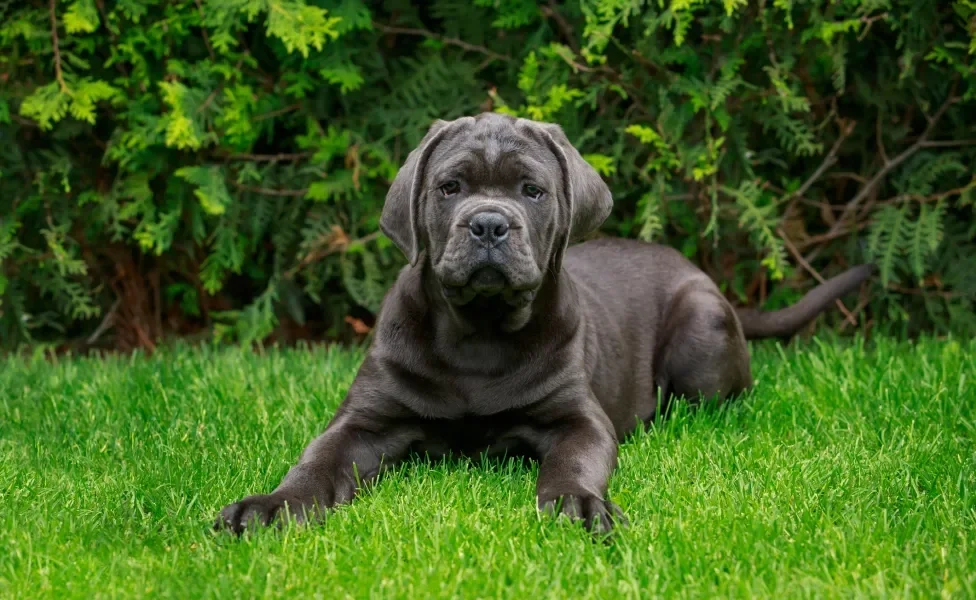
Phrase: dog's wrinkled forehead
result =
(494, 149)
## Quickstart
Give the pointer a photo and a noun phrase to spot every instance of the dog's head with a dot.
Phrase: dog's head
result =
(495, 201)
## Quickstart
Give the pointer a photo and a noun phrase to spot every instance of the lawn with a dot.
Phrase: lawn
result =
(850, 470)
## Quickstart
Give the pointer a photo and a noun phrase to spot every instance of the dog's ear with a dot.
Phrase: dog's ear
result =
(401, 220)
(588, 197)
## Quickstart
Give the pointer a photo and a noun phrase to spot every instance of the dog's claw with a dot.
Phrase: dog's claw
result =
(598, 515)
(253, 511)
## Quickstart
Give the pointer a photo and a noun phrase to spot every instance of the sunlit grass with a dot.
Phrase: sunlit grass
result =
(850, 470)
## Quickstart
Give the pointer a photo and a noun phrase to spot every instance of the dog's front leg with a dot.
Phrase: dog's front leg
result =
(349, 453)
(577, 460)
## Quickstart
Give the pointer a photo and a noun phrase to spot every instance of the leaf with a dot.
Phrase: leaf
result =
(648, 207)
(732, 5)
(211, 189)
(646, 135)
(926, 237)
(352, 15)
(299, 26)
(827, 30)
(369, 289)
(236, 117)
(348, 77)
(86, 93)
(357, 325)
(528, 73)
(557, 97)
(511, 14)
(926, 170)
(760, 220)
(338, 185)
(604, 165)
(887, 239)
(81, 17)
(47, 105)
(8, 243)
(183, 131)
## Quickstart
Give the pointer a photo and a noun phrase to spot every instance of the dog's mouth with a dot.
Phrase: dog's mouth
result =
(487, 283)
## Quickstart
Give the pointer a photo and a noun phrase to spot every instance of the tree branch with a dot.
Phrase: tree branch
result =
(333, 244)
(846, 129)
(849, 175)
(390, 29)
(209, 99)
(816, 240)
(269, 157)
(888, 166)
(278, 112)
(930, 198)
(203, 30)
(861, 305)
(57, 49)
(816, 275)
(270, 191)
(550, 11)
(924, 292)
(948, 143)
(880, 141)
(869, 21)
(100, 4)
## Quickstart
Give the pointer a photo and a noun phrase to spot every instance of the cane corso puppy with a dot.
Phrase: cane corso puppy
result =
(500, 337)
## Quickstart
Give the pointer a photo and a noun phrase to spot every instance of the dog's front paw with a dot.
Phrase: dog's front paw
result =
(260, 510)
(597, 514)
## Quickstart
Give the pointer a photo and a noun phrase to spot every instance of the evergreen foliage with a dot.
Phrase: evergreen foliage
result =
(219, 166)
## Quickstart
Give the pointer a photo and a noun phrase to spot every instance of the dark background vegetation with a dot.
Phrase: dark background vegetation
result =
(216, 168)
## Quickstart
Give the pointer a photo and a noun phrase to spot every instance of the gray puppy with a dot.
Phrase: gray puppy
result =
(500, 337)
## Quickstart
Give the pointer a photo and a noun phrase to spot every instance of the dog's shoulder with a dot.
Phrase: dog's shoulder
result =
(404, 301)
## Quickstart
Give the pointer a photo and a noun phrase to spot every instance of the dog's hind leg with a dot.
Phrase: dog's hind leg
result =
(702, 353)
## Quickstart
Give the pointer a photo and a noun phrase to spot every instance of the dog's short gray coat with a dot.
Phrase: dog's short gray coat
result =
(501, 337)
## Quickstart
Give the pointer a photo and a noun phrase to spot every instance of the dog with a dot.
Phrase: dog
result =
(500, 337)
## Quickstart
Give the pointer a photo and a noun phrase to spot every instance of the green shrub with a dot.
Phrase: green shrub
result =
(219, 166)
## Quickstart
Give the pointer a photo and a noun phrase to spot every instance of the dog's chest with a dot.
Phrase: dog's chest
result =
(471, 435)
(466, 406)
(479, 398)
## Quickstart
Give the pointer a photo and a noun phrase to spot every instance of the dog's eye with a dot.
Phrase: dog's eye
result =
(532, 191)
(450, 188)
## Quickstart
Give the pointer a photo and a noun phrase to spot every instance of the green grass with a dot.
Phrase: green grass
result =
(848, 472)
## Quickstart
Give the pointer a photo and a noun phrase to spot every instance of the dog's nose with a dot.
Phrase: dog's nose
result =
(490, 228)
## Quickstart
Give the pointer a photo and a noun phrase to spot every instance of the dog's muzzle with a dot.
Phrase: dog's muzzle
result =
(488, 263)
(488, 282)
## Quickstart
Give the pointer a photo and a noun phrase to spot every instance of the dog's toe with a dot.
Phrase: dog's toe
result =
(598, 515)
(259, 510)
(602, 516)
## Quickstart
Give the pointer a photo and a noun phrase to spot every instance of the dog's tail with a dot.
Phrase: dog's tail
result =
(784, 323)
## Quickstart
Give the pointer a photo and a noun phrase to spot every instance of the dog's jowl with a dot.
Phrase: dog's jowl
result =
(500, 336)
